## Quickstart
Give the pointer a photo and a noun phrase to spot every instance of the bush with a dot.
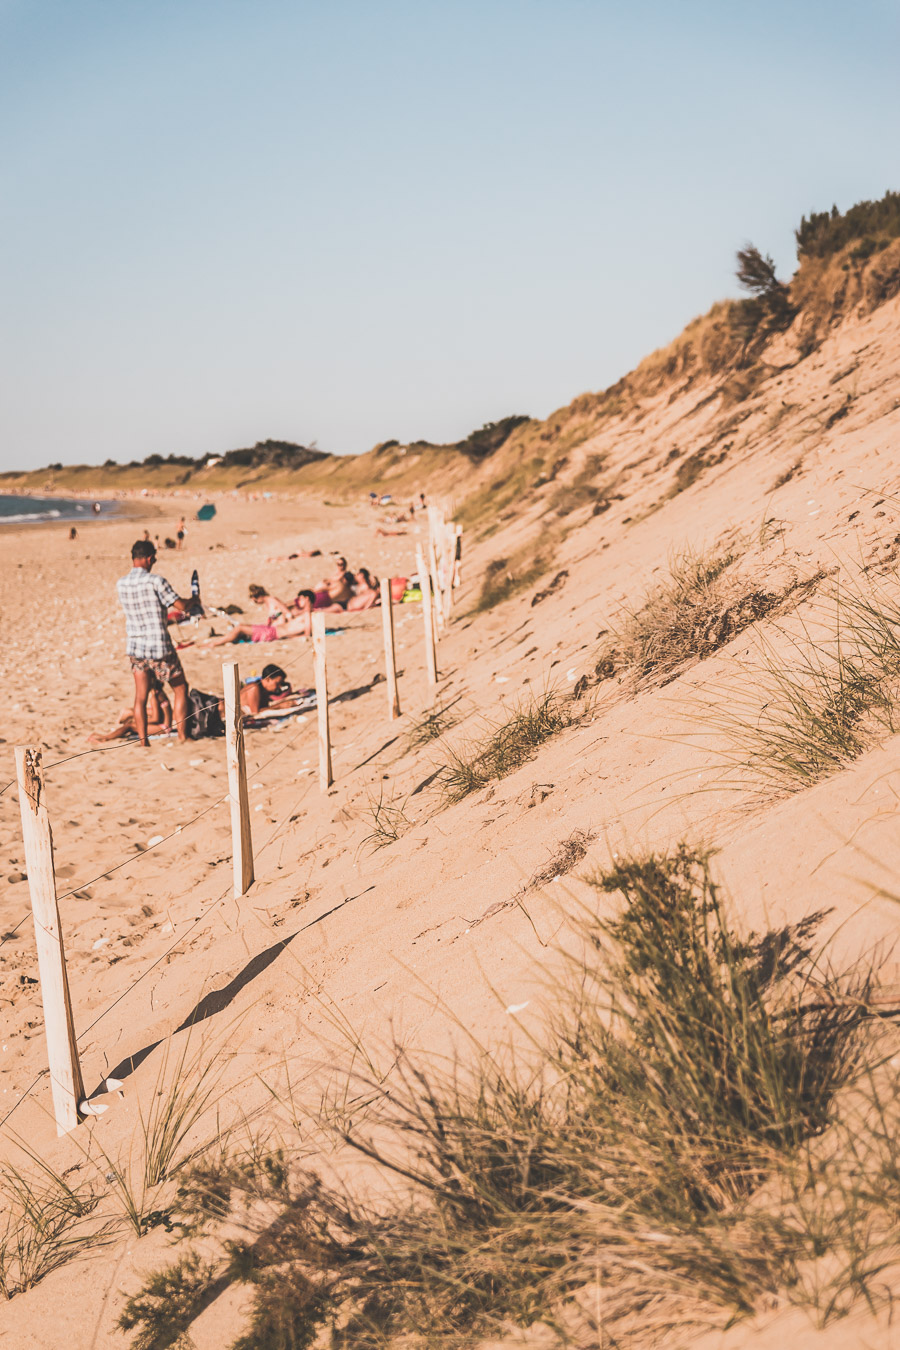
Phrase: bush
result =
(770, 309)
(827, 232)
(481, 444)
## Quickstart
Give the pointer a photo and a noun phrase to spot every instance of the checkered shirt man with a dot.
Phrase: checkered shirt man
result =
(146, 599)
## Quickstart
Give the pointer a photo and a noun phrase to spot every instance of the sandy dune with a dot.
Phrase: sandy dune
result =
(404, 940)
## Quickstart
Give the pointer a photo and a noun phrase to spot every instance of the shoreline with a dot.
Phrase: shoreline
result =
(124, 510)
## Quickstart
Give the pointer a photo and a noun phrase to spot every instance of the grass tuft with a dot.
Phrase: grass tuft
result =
(684, 1065)
(436, 723)
(389, 821)
(508, 745)
(185, 1088)
(506, 577)
(700, 607)
(43, 1225)
(796, 718)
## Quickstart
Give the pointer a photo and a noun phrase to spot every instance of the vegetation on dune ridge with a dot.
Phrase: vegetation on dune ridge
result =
(849, 261)
(604, 1181)
(869, 224)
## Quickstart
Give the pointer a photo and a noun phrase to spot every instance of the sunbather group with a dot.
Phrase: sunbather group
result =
(206, 712)
(341, 592)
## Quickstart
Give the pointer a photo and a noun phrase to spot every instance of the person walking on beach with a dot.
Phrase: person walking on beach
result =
(146, 600)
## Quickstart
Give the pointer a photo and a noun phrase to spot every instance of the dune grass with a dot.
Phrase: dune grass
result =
(436, 723)
(701, 605)
(797, 715)
(602, 1182)
(186, 1086)
(506, 577)
(388, 819)
(46, 1223)
(505, 746)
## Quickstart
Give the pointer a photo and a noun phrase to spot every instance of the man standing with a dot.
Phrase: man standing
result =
(146, 601)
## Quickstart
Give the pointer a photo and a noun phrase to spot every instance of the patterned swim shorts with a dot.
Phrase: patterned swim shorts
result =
(264, 632)
(167, 669)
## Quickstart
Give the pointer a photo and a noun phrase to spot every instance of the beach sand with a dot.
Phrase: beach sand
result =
(443, 935)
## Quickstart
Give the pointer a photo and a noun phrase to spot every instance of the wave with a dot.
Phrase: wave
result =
(31, 515)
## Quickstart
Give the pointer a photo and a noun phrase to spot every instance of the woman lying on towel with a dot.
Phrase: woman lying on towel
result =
(298, 625)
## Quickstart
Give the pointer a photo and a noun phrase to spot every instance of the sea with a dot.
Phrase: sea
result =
(28, 510)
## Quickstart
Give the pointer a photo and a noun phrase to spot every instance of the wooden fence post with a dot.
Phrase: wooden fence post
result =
(62, 1050)
(326, 777)
(438, 607)
(425, 583)
(451, 563)
(241, 839)
(390, 659)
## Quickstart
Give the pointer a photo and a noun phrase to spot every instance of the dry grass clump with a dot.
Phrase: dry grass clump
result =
(440, 719)
(186, 1086)
(794, 719)
(48, 1221)
(45, 1225)
(700, 606)
(507, 745)
(683, 1066)
(506, 577)
(388, 819)
(567, 855)
(583, 490)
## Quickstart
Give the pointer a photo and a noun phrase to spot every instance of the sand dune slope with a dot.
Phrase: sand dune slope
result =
(454, 928)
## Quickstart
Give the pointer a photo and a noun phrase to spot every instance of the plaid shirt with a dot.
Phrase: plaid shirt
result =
(146, 600)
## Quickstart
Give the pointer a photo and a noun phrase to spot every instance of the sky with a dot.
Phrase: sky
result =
(343, 221)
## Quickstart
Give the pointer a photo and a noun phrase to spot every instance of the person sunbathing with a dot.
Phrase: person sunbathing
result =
(298, 625)
(271, 687)
(339, 587)
(366, 594)
(159, 719)
(301, 553)
(320, 599)
(274, 607)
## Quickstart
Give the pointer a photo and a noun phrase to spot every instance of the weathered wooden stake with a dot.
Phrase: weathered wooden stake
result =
(241, 839)
(390, 659)
(62, 1049)
(452, 531)
(326, 777)
(438, 607)
(425, 583)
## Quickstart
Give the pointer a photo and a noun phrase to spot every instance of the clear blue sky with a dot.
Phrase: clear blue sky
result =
(347, 220)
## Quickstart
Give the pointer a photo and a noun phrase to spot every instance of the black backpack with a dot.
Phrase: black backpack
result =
(204, 718)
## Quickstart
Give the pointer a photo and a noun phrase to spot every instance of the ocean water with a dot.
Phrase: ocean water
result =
(22, 510)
